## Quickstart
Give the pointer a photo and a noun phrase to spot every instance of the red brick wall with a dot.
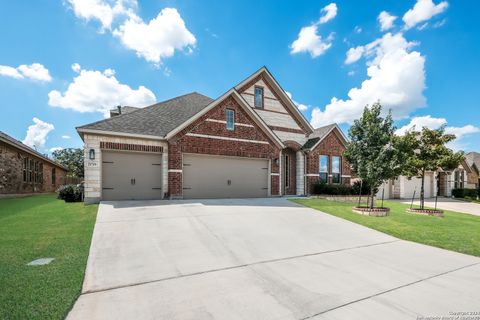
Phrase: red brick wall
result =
(189, 144)
(331, 145)
(11, 173)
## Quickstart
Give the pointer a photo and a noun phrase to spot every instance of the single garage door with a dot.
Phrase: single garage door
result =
(415, 184)
(224, 177)
(131, 176)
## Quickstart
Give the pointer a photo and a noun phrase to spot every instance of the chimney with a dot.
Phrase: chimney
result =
(119, 108)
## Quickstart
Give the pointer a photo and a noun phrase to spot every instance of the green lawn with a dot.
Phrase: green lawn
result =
(36, 227)
(456, 231)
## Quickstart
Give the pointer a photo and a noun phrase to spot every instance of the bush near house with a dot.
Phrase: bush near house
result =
(340, 190)
(70, 193)
(465, 193)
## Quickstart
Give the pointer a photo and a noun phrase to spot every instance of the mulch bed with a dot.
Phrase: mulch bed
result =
(427, 212)
(373, 212)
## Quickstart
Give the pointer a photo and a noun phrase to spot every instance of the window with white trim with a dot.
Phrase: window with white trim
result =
(230, 114)
(336, 169)
(323, 168)
(258, 103)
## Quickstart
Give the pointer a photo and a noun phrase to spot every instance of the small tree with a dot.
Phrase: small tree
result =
(426, 151)
(72, 158)
(372, 150)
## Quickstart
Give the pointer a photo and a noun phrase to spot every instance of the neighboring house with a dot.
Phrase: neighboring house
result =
(473, 160)
(440, 181)
(250, 142)
(23, 170)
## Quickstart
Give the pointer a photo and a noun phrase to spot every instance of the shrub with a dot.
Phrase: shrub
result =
(365, 188)
(332, 189)
(463, 193)
(70, 193)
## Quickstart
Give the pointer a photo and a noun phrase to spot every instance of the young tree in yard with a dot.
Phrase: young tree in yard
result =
(372, 149)
(72, 158)
(426, 151)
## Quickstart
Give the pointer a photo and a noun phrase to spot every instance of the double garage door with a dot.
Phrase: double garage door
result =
(224, 177)
(131, 176)
(138, 176)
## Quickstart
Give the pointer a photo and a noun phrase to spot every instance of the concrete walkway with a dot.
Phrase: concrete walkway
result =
(450, 205)
(262, 259)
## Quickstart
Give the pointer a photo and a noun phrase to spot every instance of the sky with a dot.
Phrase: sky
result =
(66, 63)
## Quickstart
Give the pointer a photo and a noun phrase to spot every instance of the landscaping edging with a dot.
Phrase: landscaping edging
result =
(427, 212)
(375, 212)
(340, 198)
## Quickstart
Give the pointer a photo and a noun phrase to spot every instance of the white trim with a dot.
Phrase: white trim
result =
(224, 138)
(225, 122)
(274, 174)
(119, 134)
(175, 170)
(312, 175)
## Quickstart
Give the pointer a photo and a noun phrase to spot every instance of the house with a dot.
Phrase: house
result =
(440, 181)
(23, 170)
(250, 142)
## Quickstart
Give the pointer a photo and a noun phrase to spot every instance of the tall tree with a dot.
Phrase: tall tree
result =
(371, 150)
(426, 151)
(72, 158)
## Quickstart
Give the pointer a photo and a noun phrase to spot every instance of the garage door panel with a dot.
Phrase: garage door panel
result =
(131, 176)
(224, 177)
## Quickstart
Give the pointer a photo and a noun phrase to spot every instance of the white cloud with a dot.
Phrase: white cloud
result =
(37, 133)
(357, 29)
(423, 10)
(351, 73)
(95, 91)
(396, 78)
(386, 20)
(440, 23)
(329, 12)
(300, 106)
(35, 71)
(417, 123)
(354, 54)
(76, 67)
(158, 38)
(66, 137)
(102, 10)
(55, 149)
(309, 41)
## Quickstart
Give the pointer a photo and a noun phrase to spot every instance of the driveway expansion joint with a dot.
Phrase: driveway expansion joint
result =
(237, 267)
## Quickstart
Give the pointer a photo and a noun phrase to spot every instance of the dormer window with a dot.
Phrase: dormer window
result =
(258, 97)
(230, 114)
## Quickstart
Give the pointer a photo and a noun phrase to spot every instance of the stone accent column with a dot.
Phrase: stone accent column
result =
(300, 173)
(164, 171)
(93, 170)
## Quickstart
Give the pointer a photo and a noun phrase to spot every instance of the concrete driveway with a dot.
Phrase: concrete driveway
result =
(450, 205)
(262, 259)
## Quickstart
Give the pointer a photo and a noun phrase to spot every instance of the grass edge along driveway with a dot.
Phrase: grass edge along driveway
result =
(35, 227)
(456, 231)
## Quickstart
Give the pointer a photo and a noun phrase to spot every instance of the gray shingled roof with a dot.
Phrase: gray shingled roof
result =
(20, 145)
(124, 109)
(317, 135)
(155, 120)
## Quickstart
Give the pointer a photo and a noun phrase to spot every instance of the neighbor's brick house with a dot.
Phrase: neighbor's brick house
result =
(250, 142)
(26, 171)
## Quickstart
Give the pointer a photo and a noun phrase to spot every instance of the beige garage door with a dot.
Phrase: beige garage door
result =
(224, 177)
(131, 176)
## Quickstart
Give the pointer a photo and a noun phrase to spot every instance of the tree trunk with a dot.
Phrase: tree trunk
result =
(422, 191)
(371, 198)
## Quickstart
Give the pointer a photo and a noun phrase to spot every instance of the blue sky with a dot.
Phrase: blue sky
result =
(64, 63)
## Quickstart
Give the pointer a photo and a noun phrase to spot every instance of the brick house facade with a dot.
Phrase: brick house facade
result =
(251, 141)
(25, 171)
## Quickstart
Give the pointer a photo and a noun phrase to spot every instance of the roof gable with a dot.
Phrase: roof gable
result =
(321, 133)
(243, 104)
(265, 75)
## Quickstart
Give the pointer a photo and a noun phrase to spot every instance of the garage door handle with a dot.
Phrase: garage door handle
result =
(132, 181)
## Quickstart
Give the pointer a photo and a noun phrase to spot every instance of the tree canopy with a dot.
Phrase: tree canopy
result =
(72, 158)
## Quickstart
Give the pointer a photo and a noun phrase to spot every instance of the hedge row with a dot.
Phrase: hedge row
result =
(464, 193)
(340, 189)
